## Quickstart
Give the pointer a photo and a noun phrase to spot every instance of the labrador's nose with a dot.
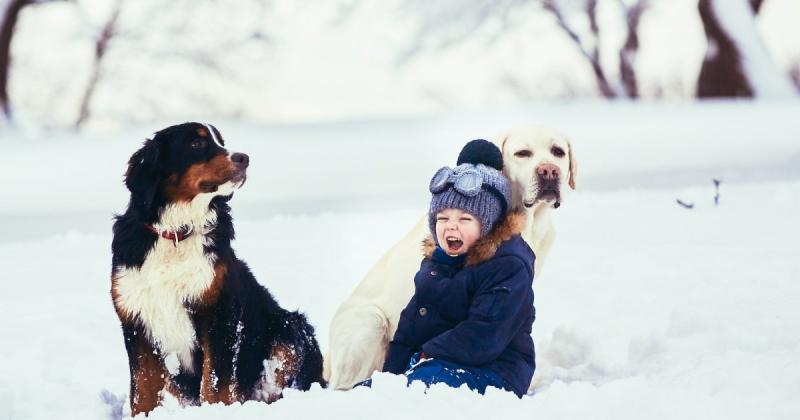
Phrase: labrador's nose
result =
(548, 171)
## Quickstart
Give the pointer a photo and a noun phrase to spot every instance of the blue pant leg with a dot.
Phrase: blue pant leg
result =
(366, 382)
(440, 371)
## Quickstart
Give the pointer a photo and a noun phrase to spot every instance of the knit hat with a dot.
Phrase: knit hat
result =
(475, 186)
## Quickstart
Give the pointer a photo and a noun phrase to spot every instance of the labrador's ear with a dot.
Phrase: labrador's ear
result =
(500, 142)
(573, 165)
(144, 174)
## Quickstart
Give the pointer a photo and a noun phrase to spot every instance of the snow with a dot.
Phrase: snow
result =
(287, 61)
(644, 309)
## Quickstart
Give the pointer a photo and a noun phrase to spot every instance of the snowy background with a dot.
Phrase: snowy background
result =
(644, 308)
(285, 61)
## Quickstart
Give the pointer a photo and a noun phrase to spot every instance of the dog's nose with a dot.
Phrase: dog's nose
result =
(240, 159)
(548, 171)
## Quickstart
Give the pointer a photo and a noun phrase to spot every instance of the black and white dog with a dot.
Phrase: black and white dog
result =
(196, 322)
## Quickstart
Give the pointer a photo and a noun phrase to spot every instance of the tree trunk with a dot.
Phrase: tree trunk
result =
(737, 63)
(9, 13)
(101, 47)
(627, 54)
(722, 74)
(593, 55)
(602, 81)
(8, 22)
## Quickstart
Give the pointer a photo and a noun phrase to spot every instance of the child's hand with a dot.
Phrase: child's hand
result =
(416, 359)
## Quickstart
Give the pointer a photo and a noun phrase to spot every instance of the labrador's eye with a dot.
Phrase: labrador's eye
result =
(523, 153)
(198, 144)
(557, 151)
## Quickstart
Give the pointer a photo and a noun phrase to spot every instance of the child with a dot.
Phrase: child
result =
(470, 319)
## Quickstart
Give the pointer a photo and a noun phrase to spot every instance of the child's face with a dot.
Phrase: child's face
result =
(456, 230)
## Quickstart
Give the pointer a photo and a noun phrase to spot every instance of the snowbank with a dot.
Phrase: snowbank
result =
(644, 309)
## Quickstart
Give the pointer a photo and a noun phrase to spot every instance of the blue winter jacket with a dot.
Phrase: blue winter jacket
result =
(479, 313)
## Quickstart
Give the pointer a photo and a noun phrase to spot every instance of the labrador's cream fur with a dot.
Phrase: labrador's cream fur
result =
(365, 323)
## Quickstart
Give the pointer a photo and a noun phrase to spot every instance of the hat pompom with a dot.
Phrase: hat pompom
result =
(481, 152)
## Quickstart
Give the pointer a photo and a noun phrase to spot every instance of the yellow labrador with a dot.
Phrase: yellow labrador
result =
(538, 161)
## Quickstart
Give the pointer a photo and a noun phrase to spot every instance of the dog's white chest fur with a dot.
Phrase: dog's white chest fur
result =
(170, 277)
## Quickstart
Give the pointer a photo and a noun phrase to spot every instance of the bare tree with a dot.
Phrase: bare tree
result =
(444, 24)
(178, 20)
(794, 73)
(737, 63)
(101, 46)
(627, 54)
(721, 74)
(591, 50)
(9, 10)
(452, 25)
(591, 54)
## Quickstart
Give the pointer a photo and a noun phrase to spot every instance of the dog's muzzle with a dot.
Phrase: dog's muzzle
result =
(549, 181)
(547, 186)
(241, 161)
(548, 190)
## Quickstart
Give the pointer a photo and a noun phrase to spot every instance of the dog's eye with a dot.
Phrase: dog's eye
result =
(523, 154)
(557, 151)
(198, 144)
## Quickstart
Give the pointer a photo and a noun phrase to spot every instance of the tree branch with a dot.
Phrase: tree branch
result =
(593, 57)
(627, 53)
(101, 47)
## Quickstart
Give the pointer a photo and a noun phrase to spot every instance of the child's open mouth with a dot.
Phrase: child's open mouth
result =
(453, 244)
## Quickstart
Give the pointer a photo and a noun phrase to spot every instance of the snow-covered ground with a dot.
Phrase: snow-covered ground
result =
(645, 309)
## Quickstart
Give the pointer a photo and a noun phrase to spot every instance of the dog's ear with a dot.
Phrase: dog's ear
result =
(500, 142)
(573, 165)
(144, 174)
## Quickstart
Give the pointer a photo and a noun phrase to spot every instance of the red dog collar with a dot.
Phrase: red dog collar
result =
(174, 236)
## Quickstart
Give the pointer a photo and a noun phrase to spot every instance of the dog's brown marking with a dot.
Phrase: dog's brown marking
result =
(202, 132)
(573, 166)
(148, 380)
(214, 389)
(285, 371)
(122, 314)
(211, 295)
(199, 178)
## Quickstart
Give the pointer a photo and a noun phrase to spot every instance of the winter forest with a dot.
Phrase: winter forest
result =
(669, 292)
(112, 63)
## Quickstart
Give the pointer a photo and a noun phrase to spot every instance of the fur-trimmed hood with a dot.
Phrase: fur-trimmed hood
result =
(480, 314)
(485, 248)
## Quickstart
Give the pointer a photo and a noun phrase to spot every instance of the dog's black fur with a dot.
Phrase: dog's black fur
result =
(236, 308)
